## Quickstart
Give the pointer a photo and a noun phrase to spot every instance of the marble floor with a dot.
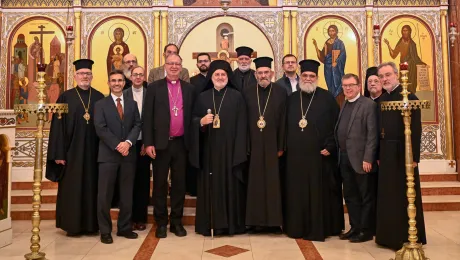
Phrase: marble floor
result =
(443, 230)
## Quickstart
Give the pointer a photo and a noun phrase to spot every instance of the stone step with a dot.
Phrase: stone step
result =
(48, 211)
(50, 196)
(440, 188)
(429, 177)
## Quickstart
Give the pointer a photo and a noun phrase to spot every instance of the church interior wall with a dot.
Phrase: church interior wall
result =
(185, 22)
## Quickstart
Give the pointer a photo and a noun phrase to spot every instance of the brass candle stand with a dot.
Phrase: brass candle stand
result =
(410, 250)
(40, 109)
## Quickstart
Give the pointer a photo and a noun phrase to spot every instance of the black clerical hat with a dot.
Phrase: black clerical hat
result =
(83, 64)
(369, 72)
(243, 50)
(219, 65)
(309, 65)
(263, 62)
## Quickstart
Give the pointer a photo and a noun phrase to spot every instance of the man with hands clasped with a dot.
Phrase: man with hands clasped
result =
(118, 125)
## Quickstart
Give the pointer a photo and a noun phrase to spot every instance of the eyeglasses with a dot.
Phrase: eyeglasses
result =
(349, 85)
(173, 63)
(135, 75)
(290, 62)
(131, 61)
(260, 73)
(89, 74)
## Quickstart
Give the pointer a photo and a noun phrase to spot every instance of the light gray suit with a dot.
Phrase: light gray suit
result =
(159, 73)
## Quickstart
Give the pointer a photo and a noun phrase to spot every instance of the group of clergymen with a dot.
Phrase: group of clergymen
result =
(261, 156)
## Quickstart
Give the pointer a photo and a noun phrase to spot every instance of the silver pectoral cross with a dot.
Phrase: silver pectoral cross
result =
(175, 109)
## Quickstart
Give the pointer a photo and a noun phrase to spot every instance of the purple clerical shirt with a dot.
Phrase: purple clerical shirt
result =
(176, 127)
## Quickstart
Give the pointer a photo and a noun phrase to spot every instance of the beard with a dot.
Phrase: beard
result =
(307, 87)
(220, 84)
(244, 68)
(127, 73)
(203, 69)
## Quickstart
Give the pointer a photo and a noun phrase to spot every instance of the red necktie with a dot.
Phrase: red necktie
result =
(119, 108)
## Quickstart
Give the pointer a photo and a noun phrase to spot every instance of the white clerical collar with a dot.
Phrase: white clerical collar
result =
(354, 99)
(138, 89)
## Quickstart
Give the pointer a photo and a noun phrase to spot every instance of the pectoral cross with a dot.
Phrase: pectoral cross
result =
(175, 109)
(382, 134)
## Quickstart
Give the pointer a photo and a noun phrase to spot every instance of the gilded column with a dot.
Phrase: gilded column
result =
(77, 40)
(370, 40)
(294, 33)
(447, 97)
(156, 44)
(164, 31)
(287, 32)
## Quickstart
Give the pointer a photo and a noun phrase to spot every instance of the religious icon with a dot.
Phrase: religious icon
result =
(109, 42)
(117, 50)
(406, 48)
(333, 56)
(4, 168)
(339, 53)
(35, 41)
(409, 39)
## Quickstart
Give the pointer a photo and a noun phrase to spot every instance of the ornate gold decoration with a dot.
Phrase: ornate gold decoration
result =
(335, 3)
(156, 30)
(117, 3)
(34, 3)
(40, 109)
(447, 104)
(294, 48)
(286, 27)
(369, 34)
(164, 32)
(411, 250)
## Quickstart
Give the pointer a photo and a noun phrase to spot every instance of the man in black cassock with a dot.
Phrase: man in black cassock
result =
(392, 221)
(313, 203)
(203, 60)
(244, 76)
(266, 104)
(72, 155)
(223, 148)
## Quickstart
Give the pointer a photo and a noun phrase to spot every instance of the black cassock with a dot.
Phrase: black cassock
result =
(244, 80)
(264, 186)
(75, 141)
(392, 220)
(222, 150)
(313, 202)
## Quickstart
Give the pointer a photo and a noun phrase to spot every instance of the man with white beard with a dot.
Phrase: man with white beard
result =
(313, 191)
(244, 76)
(129, 62)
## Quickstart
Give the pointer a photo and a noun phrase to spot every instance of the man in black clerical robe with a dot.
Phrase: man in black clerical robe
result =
(392, 221)
(221, 152)
(203, 60)
(243, 76)
(313, 204)
(266, 104)
(72, 155)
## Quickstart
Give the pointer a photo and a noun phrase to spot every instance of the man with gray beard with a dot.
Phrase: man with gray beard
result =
(313, 191)
(129, 62)
(244, 76)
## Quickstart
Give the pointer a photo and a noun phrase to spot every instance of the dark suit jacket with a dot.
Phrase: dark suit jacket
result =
(362, 135)
(286, 84)
(159, 73)
(112, 130)
(156, 113)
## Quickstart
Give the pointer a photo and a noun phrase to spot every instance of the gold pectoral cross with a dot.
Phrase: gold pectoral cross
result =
(382, 134)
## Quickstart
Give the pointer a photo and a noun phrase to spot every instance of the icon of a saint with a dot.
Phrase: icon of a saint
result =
(118, 35)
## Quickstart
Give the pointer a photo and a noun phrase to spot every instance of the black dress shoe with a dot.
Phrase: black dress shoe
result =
(161, 232)
(106, 238)
(361, 237)
(179, 230)
(127, 234)
(348, 235)
(141, 226)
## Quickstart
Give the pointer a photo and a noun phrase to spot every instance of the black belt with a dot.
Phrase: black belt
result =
(175, 137)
